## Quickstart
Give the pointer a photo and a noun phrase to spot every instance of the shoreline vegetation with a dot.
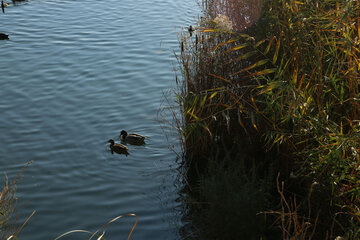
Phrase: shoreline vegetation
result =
(270, 120)
(9, 229)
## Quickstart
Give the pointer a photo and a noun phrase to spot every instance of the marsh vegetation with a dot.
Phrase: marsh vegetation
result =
(270, 123)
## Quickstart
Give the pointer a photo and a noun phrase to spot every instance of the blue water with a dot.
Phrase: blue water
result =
(73, 75)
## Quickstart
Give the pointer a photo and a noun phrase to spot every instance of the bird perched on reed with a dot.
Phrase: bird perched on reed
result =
(118, 148)
(3, 36)
(191, 29)
(132, 138)
(3, 6)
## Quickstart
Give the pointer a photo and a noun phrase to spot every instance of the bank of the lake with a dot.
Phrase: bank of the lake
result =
(270, 124)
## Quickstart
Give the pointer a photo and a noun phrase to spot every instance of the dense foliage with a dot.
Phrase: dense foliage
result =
(288, 86)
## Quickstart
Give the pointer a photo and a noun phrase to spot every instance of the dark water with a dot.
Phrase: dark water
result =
(73, 75)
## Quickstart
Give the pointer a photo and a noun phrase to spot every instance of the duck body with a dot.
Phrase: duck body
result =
(118, 148)
(4, 36)
(132, 138)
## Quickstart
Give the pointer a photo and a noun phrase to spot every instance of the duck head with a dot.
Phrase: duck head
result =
(123, 134)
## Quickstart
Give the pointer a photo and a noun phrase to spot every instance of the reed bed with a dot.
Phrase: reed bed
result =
(7, 206)
(287, 87)
(9, 229)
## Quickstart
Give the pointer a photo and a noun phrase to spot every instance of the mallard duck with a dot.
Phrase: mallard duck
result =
(118, 148)
(132, 138)
(3, 36)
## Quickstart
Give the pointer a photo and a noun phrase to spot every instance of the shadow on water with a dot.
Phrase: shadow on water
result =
(223, 200)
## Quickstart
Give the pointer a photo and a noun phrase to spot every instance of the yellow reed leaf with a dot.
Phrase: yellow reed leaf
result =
(263, 72)
(295, 75)
(357, 49)
(245, 56)
(203, 101)
(279, 138)
(300, 3)
(235, 48)
(189, 110)
(259, 63)
(245, 36)
(341, 128)
(351, 69)
(212, 95)
(224, 43)
(277, 49)
(269, 45)
(239, 47)
(267, 89)
(254, 104)
(193, 115)
(259, 43)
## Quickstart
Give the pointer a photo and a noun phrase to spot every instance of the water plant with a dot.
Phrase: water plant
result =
(287, 86)
(8, 226)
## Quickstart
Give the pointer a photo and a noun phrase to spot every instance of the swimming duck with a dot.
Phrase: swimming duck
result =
(118, 148)
(132, 138)
(3, 36)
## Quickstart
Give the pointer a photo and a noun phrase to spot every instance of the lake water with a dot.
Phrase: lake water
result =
(73, 75)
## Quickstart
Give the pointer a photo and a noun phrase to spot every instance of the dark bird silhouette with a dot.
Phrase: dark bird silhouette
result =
(132, 138)
(4, 36)
(118, 148)
(2, 6)
(191, 29)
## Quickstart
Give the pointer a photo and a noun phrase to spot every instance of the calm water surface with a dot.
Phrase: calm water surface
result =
(73, 75)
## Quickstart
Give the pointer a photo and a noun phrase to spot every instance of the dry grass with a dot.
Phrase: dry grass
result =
(100, 233)
(8, 226)
(292, 224)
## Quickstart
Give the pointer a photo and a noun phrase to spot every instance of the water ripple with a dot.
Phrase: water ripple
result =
(73, 75)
